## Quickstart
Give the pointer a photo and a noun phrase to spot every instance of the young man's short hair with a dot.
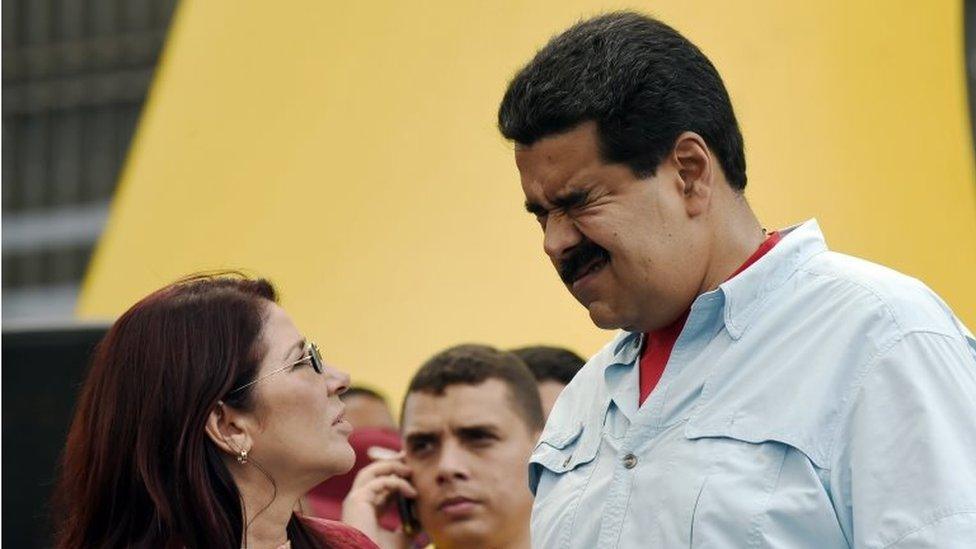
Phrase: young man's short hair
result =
(473, 364)
(550, 363)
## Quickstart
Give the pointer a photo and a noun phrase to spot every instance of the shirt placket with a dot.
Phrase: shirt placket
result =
(625, 467)
(648, 424)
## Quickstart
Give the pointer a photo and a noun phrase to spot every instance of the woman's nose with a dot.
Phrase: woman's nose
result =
(338, 381)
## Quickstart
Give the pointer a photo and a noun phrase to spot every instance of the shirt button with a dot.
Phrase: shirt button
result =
(630, 460)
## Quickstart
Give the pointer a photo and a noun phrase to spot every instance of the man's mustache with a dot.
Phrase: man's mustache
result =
(579, 258)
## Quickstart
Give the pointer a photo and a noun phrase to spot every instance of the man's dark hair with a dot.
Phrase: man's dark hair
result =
(359, 390)
(639, 80)
(472, 364)
(550, 363)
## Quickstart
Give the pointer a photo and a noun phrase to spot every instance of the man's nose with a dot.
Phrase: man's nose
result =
(452, 464)
(561, 235)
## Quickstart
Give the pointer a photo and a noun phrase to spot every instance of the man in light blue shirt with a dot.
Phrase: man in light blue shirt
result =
(812, 400)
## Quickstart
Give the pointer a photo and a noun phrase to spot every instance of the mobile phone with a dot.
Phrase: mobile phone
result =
(407, 508)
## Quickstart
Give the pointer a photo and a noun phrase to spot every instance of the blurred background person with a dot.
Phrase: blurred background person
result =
(373, 427)
(367, 408)
(553, 368)
(205, 416)
(469, 422)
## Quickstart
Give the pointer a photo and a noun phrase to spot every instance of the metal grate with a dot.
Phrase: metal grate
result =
(75, 75)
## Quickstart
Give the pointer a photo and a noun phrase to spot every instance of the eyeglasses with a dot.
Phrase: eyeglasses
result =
(311, 355)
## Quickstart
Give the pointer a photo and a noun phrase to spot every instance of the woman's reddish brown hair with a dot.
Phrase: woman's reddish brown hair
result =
(138, 468)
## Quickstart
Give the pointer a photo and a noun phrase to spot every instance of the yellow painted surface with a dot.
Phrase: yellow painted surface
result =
(348, 151)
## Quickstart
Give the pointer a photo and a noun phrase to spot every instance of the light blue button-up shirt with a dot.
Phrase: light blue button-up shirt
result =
(813, 401)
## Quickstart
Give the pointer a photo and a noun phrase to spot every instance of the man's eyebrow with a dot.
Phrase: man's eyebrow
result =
(419, 436)
(568, 199)
(571, 199)
(477, 429)
(535, 208)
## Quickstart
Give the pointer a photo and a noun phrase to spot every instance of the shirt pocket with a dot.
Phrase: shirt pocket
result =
(761, 489)
(559, 471)
(734, 495)
(561, 452)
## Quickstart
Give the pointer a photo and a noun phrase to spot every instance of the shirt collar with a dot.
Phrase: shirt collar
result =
(746, 292)
(627, 348)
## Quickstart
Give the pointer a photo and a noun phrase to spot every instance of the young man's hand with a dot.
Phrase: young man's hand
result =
(372, 492)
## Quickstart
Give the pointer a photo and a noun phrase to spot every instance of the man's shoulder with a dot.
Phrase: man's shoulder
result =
(818, 336)
(850, 287)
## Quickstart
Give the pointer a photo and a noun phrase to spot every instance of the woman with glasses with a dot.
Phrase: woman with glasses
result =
(204, 418)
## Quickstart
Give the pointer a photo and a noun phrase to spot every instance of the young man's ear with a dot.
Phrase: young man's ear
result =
(693, 162)
(227, 428)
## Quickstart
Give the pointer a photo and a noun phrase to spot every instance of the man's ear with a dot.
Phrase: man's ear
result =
(228, 429)
(693, 161)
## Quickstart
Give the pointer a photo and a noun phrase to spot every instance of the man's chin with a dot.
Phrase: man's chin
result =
(604, 317)
(469, 532)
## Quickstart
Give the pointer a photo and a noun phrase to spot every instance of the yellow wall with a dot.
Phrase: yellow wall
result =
(347, 150)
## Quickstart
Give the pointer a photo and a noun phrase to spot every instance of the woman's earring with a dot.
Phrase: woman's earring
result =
(242, 458)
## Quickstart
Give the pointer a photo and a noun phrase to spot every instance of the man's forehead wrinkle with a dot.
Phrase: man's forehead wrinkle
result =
(411, 433)
(463, 418)
(575, 183)
(436, 414)
(474, 423)
(450, 425)
(535, 195)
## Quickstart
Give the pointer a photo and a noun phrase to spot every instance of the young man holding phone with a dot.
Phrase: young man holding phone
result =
(469, 423)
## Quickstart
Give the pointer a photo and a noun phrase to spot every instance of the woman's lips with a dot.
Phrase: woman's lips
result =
(341, 416)
(341, 423)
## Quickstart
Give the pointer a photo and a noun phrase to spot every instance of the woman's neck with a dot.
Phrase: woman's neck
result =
(266, 513)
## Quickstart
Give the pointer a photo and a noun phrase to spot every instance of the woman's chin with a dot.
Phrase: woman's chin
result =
(347, 459)
(338, 463)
